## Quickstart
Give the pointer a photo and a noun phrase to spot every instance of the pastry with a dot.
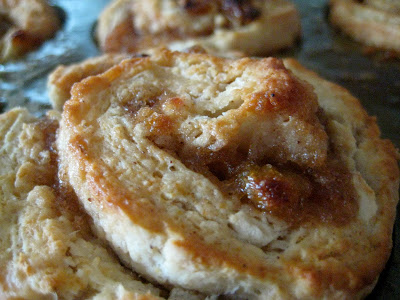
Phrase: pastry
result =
(254, 27)
(47, 249)
(372, 22)
(60, 81)
(24, 25)
(252, 179)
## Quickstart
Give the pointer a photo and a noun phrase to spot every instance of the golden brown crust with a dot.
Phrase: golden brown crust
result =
(47, 248)
(253, 27)
(62, 79)
(373, 23)
(26, 25)
(154, 163)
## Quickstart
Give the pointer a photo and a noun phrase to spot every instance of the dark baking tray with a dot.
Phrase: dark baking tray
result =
(373, 77)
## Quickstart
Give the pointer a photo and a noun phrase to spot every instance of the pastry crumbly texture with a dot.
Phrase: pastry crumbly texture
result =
(256, 27)
(47, 249)
(24, 25)
(62, 79)
(247, 178)
(374, 23)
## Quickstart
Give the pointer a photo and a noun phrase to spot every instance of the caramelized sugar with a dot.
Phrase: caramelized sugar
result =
(238, 12)
(321, 195)
(299, 195)
(299, 191)
(67, 201)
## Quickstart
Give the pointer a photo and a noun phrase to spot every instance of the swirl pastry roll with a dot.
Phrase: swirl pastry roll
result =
(372, 22)
(248, 178)
(254, 27)
(47, 250)
(24, 25)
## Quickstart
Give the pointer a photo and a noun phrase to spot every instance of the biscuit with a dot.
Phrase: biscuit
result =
(372, 22)
(47, 249)
(255, 27)
(247, 178)
(24, 25)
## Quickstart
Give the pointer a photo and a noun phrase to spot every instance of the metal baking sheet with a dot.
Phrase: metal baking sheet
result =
(372, 77)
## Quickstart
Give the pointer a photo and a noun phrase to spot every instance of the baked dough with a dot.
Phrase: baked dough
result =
(372, 22)
(47, 249)
(256, 27)
(61, 80)
(387, 5)
(248, 178)
(24, 25)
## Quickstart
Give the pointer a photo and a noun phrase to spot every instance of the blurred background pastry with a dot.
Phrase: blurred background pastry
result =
(372, 22)
(24, 25)
(254, 27)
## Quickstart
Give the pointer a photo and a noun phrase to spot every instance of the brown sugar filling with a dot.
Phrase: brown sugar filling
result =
(66, 199)
(238, 12)
(299, 195)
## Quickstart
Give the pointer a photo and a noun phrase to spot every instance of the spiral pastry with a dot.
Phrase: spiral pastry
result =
(374, 23)
(24, 25)
(47, 249)
(247, 178)
(254, 27)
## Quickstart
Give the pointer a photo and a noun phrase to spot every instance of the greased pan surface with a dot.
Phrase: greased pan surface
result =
(373, 78)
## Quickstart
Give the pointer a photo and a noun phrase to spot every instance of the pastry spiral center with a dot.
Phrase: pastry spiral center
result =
(266, 147)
